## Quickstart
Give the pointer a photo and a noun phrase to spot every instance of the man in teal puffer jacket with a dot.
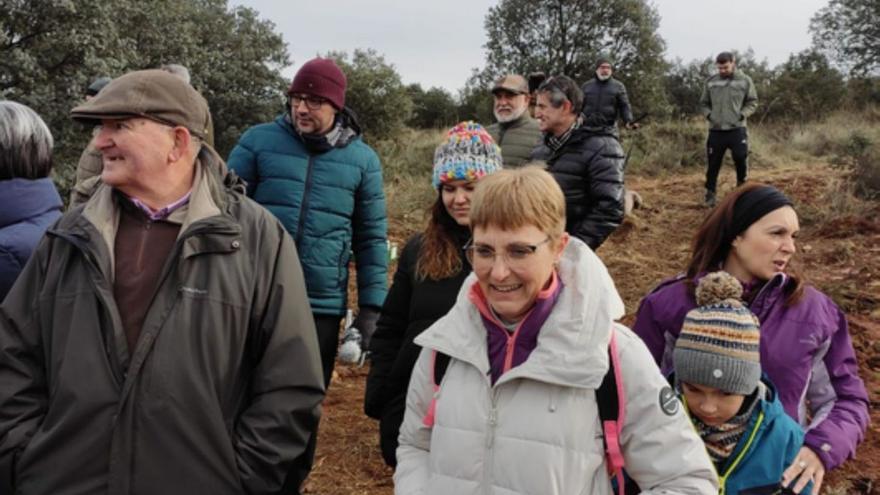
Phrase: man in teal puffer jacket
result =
(311, 169)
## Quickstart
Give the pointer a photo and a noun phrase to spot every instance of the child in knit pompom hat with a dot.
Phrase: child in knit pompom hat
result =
(467, 153)
(737, 413)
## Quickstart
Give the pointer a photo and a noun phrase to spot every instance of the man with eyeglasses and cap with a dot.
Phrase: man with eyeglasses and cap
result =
(514, 130)
(312, 170)
(160, 338)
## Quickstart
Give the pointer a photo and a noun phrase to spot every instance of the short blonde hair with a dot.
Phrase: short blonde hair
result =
(515, 198)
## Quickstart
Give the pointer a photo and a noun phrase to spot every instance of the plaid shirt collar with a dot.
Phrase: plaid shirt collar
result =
(556, 142)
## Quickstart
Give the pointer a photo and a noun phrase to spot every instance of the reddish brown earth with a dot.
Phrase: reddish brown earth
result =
(840, 255)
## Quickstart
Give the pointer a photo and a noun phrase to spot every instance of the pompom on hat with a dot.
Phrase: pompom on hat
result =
(468, 153)
(719, 343)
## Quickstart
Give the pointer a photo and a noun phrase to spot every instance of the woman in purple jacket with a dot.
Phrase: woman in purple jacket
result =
(805, 344)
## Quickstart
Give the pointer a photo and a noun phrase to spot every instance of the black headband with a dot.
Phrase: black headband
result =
(754, 204)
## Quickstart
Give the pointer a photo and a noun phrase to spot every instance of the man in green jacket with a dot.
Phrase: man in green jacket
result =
(728, 100)
(515, 130)
(160, 339)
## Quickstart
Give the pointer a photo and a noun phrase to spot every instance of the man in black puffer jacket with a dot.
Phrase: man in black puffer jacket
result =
(606, 101)
(587, 163)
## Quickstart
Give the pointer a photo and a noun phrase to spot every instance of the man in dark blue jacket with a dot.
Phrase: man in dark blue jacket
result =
(311, 169)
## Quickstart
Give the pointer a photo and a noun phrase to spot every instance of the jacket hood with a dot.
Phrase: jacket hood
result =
(30, 197)
(572, 347)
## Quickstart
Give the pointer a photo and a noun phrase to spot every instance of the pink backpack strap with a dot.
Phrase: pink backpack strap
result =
(428, 419)
(611, 401)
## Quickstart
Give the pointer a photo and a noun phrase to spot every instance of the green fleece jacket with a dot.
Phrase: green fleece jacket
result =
(517, 139)
(728, 101)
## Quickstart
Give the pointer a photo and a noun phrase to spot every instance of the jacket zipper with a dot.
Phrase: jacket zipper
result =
(761, 292)
(115, 365)
(305, 203)
(722, 480)
(491, 424)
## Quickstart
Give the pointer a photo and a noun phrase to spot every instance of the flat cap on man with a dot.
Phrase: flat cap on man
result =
(152, 94)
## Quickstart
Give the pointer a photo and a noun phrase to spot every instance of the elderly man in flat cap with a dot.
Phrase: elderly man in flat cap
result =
(160, 339)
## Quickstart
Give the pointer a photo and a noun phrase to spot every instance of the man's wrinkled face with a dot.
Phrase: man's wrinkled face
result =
(136, 152)
(725, 69)
(311, 114)
(604, 71)
(509, 106)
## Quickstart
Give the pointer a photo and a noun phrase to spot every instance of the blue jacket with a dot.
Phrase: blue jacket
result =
(27, 209)
(331, 203)
(769, 446)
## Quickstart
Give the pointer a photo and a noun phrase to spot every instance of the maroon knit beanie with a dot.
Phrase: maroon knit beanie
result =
(320, 77)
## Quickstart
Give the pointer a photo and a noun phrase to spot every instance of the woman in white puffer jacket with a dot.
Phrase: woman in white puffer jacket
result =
(516, 410)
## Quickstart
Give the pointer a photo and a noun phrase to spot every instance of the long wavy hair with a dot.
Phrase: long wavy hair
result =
(440, 256)
(710, 246)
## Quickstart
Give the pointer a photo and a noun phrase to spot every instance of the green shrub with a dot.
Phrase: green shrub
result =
(666, 146)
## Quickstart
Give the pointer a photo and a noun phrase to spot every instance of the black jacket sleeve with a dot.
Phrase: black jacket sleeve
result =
(391, 330)
(287, 385)
(23, 386)
(623, 106)
(605, 193)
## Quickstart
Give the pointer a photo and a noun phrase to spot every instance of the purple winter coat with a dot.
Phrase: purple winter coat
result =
(805, 350)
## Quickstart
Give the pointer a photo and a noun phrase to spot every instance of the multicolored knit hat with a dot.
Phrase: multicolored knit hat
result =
(719, 344)
(468, 153)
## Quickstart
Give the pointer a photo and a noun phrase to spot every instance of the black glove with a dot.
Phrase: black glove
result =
(365, 322)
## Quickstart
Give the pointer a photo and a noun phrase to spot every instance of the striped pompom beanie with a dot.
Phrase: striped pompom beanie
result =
(468, 153)
(719, 343)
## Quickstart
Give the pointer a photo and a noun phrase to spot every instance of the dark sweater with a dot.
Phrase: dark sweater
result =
(141, 248)
(411, 307)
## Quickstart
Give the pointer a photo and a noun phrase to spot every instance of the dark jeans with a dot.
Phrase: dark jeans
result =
(328, 342)
(737, 141)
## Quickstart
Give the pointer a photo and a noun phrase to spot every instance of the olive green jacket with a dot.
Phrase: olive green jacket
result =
(223, 389)
(728, 102)
(517, 139)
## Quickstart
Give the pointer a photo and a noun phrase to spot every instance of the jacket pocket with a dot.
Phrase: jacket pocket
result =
(344, 257)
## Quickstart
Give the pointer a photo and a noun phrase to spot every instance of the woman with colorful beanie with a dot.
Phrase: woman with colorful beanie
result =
(805, 344)
(737, 414)
(429, 275)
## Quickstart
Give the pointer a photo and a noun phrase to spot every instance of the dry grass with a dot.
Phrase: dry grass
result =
(839, 257)
(839, 250)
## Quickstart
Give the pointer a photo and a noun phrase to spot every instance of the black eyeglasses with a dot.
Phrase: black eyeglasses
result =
(312, 102)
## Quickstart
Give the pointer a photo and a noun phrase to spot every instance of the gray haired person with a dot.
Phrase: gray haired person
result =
(588, 165)
(29, 202)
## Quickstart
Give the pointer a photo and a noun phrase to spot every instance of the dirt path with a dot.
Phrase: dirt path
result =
(841, 257)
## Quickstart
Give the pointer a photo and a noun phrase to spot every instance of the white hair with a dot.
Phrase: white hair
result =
(25, 143)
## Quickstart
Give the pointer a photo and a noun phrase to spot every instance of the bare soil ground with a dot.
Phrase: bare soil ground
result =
(840, 254)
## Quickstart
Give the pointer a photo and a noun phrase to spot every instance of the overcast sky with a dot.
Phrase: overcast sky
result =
(437, 43)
